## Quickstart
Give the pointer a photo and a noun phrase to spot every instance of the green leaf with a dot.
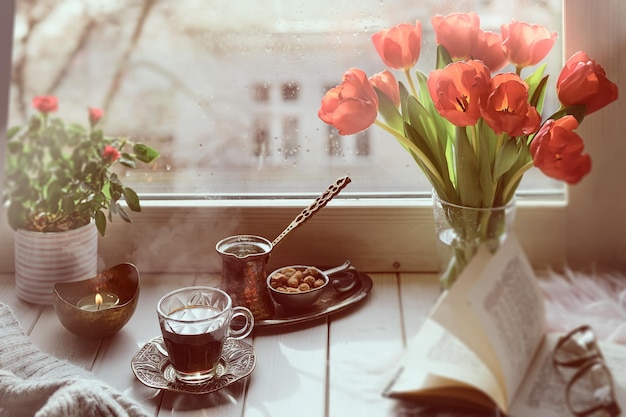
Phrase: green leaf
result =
(534, 79)
(388, 110)
(101, 222)
(145, 153)
(443, 57)
(16, 215)
(54, 195)
(467, 171)
(539, 95)
(506, 158)
(577, 110)
(97, 135)
(122, 213)
(75, 129)
(127, 160)
(12, 132)
(537, 87)
(91, 167)
(67, 203)
(414, 136)
(131, 199)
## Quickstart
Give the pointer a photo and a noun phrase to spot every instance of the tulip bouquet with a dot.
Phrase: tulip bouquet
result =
(473, 129)
(58, 175)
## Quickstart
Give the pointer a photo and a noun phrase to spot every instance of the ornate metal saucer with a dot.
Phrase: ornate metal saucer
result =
(152, 367)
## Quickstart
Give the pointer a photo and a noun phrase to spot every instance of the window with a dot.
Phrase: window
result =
(334, 142)
(375, 234)
(363, 144)
(261, 93)
(200, 78)
(290, 91)
(290, 145)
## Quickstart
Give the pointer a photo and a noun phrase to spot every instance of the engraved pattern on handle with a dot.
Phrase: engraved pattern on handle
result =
(319, 202)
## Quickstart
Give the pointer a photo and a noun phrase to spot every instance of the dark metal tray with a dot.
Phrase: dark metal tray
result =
(354, 286)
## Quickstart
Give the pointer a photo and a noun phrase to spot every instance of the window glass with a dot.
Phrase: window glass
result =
(228, 91)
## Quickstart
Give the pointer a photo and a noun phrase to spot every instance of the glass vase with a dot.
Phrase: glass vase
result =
(462, 230)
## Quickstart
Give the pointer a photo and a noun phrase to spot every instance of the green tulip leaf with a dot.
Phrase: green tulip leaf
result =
(506, 158)
(388, 111)
(467, 170)
(443, 57)
(577, 110)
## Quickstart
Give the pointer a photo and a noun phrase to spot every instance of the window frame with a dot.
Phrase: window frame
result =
(375, 234)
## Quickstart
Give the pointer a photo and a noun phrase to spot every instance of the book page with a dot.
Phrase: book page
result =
(496, 308)
(543, 391)
(436, 362)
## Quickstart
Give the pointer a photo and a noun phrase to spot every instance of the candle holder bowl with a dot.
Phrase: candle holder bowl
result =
(121, 280)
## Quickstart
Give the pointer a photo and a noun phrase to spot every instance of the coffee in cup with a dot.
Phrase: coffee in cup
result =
(195, 323)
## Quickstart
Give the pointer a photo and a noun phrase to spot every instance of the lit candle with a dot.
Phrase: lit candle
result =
(98, 302)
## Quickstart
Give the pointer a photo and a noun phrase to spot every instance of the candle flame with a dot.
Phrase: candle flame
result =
(98, 300)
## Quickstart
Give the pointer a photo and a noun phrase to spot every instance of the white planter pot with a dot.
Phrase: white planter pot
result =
(43, 259)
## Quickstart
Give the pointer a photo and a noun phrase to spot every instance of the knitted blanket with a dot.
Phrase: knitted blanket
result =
(33, 383)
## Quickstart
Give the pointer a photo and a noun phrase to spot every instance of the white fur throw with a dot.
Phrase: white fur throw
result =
(33, 383)
(575, 298)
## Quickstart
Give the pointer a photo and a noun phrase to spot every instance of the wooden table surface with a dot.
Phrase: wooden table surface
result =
(335, 366)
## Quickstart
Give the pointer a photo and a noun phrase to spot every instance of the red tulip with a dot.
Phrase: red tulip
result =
(557, 151)
(110, 153)
(525, 45)
(457, 33)
(488, 48)
(506, 108)
(95, 114)
(45, 104)
(387, 83)
(456, 91)
(399, 47)
(582, 81)
(352, 106)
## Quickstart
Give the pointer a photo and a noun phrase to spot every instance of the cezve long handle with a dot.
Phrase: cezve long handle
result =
(319, 202)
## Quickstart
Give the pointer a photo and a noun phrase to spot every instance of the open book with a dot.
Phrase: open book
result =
(484, 344)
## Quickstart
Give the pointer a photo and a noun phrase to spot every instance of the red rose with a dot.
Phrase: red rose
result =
(110, 153)
(95, 114)
(45, 104)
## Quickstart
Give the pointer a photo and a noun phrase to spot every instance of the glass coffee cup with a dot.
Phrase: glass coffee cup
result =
(195, 323)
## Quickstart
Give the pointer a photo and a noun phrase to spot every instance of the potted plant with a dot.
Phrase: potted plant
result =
(60, 189)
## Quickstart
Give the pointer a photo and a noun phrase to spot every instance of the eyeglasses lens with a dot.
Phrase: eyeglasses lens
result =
(580, 346)
(591, 388)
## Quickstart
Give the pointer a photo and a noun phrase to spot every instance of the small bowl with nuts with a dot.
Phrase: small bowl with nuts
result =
(297, 286)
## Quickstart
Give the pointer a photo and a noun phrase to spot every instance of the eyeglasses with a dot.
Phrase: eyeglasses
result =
(590, 391)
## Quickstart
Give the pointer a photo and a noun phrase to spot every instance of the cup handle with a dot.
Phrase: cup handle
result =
(246, 329)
